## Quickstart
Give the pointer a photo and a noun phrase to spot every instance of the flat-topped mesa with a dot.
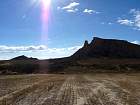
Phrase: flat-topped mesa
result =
(111, 48)
(100, 41)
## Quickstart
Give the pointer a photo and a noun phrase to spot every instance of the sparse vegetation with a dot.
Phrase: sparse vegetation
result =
(87, 89)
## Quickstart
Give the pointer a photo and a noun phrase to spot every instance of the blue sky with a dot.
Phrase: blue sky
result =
(70, 23)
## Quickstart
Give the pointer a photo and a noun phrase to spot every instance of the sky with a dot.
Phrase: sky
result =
(57, 28)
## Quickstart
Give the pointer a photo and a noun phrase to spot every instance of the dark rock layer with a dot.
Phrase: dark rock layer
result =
(110, 48)
(23, 58)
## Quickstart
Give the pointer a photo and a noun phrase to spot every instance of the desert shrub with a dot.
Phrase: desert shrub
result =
(24, 67)
(54, 68)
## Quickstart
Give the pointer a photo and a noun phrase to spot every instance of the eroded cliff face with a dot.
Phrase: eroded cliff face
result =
(110, 48)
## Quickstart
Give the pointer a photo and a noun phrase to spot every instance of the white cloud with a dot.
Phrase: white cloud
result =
(71, 5)
(4, 48)
(125, 22)
(75, 48)
(136, 42)
(70, 8)
(90, 11)
(136, 14)
(134, 21)
(40, 51)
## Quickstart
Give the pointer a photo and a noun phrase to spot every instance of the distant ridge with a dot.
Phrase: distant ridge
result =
(22, 57)
(110, 48)
(99, 56)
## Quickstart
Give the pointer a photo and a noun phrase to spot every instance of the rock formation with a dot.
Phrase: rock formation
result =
(110, 48)
(22, 57)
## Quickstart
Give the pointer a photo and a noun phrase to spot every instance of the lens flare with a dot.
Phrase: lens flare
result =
(46, 3)
(45, 15)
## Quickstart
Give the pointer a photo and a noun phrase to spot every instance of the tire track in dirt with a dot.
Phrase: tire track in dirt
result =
(85, 93)
(107, 92)
(133, 88)
(111, 93)
(61, 95)
(38, 95)
(30, 93)
(10, 84)
(10, 98)
(77, 90)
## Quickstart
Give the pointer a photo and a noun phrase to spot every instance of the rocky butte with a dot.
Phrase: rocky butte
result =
(108, 48)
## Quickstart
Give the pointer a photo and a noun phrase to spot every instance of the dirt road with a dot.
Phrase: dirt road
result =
(88, 89)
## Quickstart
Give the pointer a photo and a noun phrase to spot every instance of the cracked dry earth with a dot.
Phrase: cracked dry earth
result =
(87, 89)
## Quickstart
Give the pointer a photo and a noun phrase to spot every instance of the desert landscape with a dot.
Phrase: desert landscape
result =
(93, 75)
(69, 52)
(72, 89)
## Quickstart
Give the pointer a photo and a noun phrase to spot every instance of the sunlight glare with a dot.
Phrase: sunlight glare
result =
(45, 15)
(46, 3)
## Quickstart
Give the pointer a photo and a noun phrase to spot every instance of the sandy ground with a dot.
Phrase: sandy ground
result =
(84, 89)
